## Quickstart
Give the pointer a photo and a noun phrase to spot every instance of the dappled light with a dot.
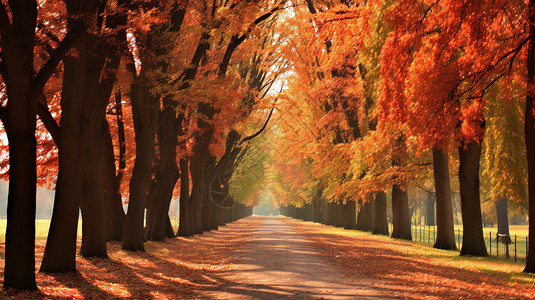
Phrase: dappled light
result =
(267, 149)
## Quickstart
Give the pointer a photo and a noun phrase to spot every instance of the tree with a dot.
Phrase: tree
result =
(24, 86)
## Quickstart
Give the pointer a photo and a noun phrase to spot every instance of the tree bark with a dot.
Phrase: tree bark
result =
(102, 66)
(473, 242)
(366, 217)
(350, 210)
(316, 203)
(19, 118)
(401, 219)
(400, 213)
(503, 220)
(444, 212)
(529, 131)
(381, 222)
(114, 205)
(184, 228)
(167, 175)
(93, 203)
(60, 250)
(20, 231)
(197, 178)
(145, 114)
(430, 210)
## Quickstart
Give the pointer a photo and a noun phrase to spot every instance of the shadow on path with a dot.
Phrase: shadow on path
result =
(279, 263)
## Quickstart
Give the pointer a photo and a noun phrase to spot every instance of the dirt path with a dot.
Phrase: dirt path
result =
(279, 264)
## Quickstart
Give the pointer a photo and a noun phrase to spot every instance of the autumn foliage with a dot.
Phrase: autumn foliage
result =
(326, 105)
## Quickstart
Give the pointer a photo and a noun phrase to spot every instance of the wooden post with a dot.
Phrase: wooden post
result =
(490, 243)
(515, 247)
(497, 240)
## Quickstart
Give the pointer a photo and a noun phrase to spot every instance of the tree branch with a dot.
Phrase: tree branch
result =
(236, 40)
(261, 129)
(47, 119)
(311, 7)
(50, 66)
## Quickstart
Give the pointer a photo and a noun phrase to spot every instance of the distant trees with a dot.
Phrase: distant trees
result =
(436, 73)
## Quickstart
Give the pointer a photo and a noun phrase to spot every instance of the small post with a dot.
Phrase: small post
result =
(497, 249)
(515, 247)
(428, 234)
(490, 243)
(507, 249)
(459, 237)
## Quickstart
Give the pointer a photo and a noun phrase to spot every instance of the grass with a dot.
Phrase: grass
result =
(426, 235)
(498, 266)
(42, 225)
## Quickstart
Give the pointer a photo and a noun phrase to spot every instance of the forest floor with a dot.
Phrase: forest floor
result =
(280, 258)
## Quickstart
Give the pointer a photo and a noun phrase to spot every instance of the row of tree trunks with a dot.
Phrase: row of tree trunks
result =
(88, 80)
(169, 126)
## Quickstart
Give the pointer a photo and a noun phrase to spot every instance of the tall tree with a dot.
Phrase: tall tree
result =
(24, 86)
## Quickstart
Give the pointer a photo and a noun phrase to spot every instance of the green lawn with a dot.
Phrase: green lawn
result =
(42, 225)
(426, 235)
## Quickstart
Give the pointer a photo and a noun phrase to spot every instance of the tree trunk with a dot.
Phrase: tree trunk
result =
(184, 228)
(473, 242)
(114, 204)
(92, 204)
(529, 131)
(430, 210)
(503, 221)
(445, 232)
(316, 203)
(92, 116)
(145, 113)
(400, 213)
(366, 216)
(331, 217)
(19, 118)
(167, 175)
(197, 178)
(20, 232)
(401, 219)
(338, 214)
(60, 250)
(381, 222)
(351, 215)
(169, 231)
